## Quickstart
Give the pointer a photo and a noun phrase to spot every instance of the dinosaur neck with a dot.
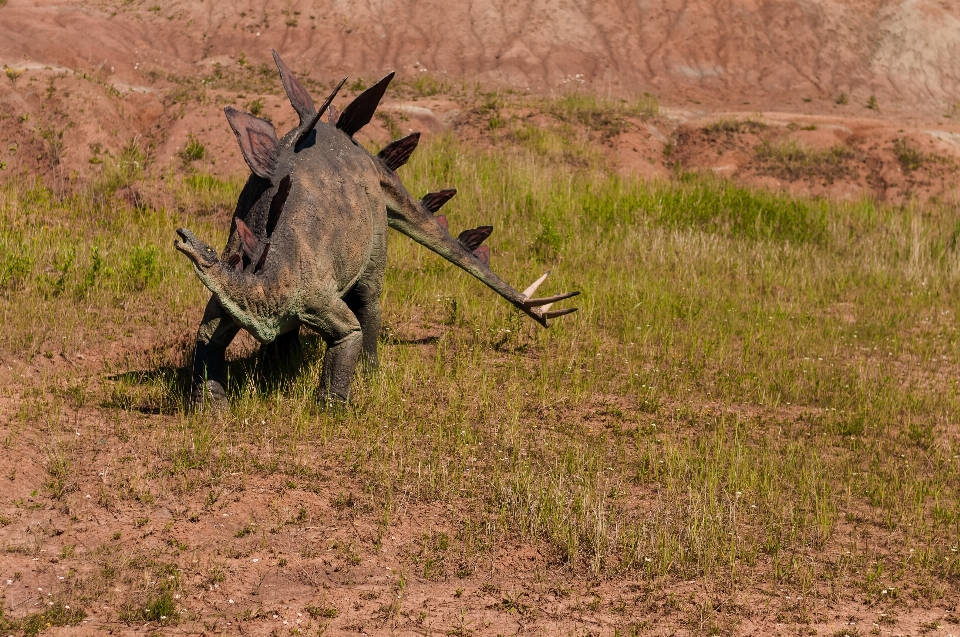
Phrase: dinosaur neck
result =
(243, 296)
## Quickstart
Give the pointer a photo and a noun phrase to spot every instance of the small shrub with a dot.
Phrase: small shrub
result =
(391, 124)
(53, 285)
(58, 614)
(256, 106)
(318, 612)
(842, 99)
(143, 267)
(730, 126)
(549, 242)
(56, 147)
(193, 150)
(15, 270)
(125, 169)
(792, 161)
(162, 608)
(609, 117)
(426, 85)
(909, 156)
(12, 73)
(93, 274)
(873, 104)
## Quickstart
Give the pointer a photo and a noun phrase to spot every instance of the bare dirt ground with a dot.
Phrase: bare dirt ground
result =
(732, 78)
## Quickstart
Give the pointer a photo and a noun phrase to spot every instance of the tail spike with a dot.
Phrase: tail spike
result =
(360, 111)
(557, 313)
(533, 286)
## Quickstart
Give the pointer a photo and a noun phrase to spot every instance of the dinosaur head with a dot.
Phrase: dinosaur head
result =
(202, 255)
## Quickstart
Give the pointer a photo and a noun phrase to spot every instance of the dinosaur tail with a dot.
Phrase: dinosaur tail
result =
(417, 220)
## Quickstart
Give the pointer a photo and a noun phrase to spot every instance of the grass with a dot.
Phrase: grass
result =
(755, 390)
(792, 161)
(910, 157)
(609, 116)
(730, 126)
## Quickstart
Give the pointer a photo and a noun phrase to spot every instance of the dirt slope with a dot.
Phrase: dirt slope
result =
(85, 78)
(768, 52)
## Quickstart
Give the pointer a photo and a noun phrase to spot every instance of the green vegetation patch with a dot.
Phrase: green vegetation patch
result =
(793, 161)
(609, 116)
(55, 615)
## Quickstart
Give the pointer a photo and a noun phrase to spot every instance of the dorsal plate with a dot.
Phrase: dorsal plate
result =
(299, 98)
(397, 152)
(258, 141)
(434, 201)
(471, 239)
(360, 111)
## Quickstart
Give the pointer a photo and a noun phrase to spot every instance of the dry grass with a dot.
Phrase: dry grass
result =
(792, 161)
(755, 391)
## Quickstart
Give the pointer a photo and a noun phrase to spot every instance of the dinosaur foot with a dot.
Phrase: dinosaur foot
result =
(208, 396)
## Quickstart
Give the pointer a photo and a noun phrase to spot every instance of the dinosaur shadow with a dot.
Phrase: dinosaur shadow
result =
(269, 368)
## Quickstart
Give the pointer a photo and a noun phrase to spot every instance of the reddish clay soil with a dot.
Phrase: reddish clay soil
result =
(84, 78)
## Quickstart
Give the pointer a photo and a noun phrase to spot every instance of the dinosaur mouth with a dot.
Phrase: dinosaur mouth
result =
(196, 250)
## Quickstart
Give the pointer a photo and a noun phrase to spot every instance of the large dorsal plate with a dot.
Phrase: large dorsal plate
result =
(258, 141)
(361, 110)
(299, 98)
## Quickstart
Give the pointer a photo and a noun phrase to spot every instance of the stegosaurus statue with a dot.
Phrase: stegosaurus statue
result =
(308, 243)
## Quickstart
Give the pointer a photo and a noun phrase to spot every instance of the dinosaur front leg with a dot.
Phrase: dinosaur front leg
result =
(364, 302)
(214, 335)
(340, 329)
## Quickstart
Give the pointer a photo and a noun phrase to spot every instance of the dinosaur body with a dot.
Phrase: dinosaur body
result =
(309, 237)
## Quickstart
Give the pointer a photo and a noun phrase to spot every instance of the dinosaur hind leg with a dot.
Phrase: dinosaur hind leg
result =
(340, 329)
(215, 333)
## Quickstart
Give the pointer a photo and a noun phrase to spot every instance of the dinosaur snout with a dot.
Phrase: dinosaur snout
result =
(196, 250)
